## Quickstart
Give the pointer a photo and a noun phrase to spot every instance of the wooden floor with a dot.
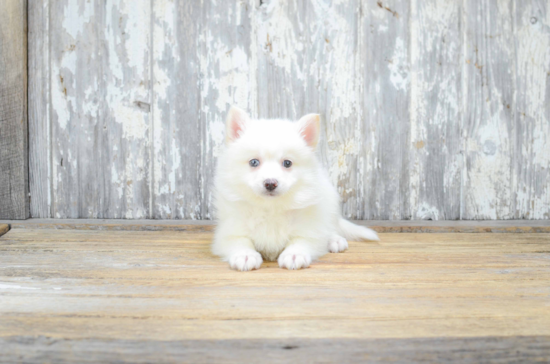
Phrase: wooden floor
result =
(160, 296)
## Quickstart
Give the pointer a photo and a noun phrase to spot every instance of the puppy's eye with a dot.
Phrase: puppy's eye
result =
(254, 163)
(287, 163)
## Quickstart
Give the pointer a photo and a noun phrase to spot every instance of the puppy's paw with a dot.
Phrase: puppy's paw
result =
(294, 259)
(245, 260)
(337, 244)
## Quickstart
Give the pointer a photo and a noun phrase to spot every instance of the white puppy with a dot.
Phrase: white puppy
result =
(272, 197)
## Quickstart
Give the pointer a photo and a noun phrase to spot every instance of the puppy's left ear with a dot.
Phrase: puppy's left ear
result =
(235, 124)
(309, 127)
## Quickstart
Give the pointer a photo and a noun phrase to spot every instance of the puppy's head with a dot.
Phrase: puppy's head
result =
(267, 159)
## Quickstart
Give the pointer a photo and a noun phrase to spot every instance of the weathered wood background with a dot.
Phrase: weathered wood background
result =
(14, 169)
(432, 109)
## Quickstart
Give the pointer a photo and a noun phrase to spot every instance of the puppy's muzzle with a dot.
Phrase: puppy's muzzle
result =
(270, 184)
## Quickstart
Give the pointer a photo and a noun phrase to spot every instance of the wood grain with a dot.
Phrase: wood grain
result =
(381, 226)
(430, 109)
(126, 115)
(14, 166)
(463, 350)
(100, 292)
(177, 191)
(532, 116)
(100, 89)
(76, 88)
(40, 169)
(489, 109)
(436, 160)
(384, 176)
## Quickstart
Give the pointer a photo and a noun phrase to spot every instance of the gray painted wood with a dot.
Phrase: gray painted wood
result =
(489, 106)
(381, 226)
(77, 97)
(430, 109)
(501, 349)
(127, 41)
(40, 181)
(435, 149)
(176, 129)
(385, 176)
(532, 116)
(283, 31)
(14, 187)
(100, 98)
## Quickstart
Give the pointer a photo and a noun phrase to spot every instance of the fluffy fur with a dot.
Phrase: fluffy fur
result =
(296, 222)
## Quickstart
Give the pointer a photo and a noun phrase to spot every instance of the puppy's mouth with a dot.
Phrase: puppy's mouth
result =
(271, 194)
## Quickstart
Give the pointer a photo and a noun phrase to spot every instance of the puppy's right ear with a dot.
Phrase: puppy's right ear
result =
(235, 124)
(309, 129)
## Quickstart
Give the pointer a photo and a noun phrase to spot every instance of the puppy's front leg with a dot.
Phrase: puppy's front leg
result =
(240, 254)
(297, 255)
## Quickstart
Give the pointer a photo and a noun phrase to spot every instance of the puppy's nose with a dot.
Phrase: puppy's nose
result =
(270, 184)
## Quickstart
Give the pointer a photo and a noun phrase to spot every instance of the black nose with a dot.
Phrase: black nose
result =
(270, 184)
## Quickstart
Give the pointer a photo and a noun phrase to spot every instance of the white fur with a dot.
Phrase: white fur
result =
(337, 244)
(297, 222)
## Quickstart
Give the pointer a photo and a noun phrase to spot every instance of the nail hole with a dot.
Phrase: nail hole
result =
(289, 347)
(533, 20)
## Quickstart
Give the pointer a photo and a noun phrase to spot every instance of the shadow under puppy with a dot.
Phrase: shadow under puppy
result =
(272, 197)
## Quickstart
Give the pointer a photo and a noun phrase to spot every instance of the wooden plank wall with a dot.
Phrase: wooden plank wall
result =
(431, 109)
(14, 186)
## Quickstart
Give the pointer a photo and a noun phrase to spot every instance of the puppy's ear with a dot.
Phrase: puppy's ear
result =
(309, 127)
(235, 124)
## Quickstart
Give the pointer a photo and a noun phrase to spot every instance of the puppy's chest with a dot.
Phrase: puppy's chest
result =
(270, 232)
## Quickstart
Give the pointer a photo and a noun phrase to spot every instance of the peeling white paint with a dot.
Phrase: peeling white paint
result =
(427, 212)
(227, 81)
(278, 35)
(232, 81)
(76, 16)
(102, 91)
(63, 99)
(162, 42)
(399, 66)
(434, 110)
(488, 180)
(10, 286)
(137, 30)
(115, 180)
(337, 59)
(533, 73)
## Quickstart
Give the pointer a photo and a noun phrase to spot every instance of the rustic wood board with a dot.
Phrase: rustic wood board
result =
(489, 108)
(178, 128)
(383, 190)
(531, 172)
(40, 169)
(14, 166)
(99, 80)
(462, 350)
(436, 160)
(71, 293)
(381, 226)
(430, 109)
